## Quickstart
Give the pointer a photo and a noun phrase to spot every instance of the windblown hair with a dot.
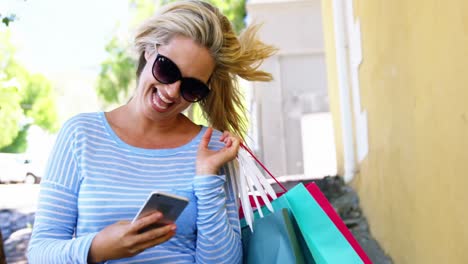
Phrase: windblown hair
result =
(233, 55)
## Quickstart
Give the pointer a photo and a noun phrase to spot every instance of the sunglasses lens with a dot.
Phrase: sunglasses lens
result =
(165, 71)
(194, 90)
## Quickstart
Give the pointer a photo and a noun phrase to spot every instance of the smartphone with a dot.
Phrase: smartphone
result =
(170, 205)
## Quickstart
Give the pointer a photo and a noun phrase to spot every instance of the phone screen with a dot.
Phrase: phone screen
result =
(170, 205)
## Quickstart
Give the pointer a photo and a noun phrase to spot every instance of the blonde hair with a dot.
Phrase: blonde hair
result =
(234, 55)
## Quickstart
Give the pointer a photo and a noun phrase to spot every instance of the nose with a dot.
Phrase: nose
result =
(173, 90)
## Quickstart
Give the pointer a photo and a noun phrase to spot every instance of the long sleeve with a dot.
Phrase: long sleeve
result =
(218, 238)
(93, 180)
(52, 239)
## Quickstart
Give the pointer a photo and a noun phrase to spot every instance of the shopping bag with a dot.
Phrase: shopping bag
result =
(320, 198)
(273, 240)
(324, 240)
(314, 190)
(322, 235)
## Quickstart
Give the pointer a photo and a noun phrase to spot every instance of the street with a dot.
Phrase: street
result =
(22, 197)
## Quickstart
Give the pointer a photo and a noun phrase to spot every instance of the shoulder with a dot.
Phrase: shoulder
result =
(83, 119)
(80, 123)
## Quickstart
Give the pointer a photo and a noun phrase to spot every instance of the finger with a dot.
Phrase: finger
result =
(155, 233)
(161, 239)
(206, 138)
(228, 153)
(224, 135)
(146, 221)
(233, 147)
(156, 240)
(228, 142)
(235, 144)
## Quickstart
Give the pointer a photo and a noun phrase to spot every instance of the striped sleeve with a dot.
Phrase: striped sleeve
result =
(52, 239)
(218, 238)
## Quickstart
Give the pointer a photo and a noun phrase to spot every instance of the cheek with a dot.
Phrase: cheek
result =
(146, 74)
(145, 82)
(141, 86)
(148, 70)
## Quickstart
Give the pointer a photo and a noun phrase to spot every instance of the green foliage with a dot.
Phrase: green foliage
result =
(117, 73)
(25, 99)
(38, 103)
(10, 112)
(234, 10)
(7, 19)
(141, 9)
(19, 144)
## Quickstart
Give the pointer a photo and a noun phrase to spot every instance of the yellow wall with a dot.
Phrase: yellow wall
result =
(413, 185)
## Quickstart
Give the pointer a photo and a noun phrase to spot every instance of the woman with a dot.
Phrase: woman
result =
(104, 165)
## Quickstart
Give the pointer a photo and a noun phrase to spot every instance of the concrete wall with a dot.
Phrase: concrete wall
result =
(413, 83)
(299, 87)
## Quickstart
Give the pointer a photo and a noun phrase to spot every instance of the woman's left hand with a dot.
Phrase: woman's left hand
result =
(210, 161)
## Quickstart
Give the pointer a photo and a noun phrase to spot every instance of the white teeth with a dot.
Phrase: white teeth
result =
(164, 99)
(156, 102)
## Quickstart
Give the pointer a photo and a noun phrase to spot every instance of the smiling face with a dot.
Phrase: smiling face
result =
(158, 101)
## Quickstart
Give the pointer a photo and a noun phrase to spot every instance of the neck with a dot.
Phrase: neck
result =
(143, 125)
(139, 131)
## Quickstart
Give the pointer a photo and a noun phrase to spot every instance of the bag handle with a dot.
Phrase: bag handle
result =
(263, 166)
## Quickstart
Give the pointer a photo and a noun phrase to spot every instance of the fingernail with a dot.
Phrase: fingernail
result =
(173, 227)
(158, 215)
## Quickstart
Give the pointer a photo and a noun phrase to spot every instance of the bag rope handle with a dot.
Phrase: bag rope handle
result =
(263, 166)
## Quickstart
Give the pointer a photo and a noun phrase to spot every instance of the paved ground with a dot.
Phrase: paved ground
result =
(17, 206)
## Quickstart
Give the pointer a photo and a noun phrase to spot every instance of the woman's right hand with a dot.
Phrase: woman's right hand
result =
(122, 239)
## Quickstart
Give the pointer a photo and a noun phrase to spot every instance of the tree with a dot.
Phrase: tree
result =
(10, 112)
(25, 99)
(233, 9)
(117, 73)
(7, 19)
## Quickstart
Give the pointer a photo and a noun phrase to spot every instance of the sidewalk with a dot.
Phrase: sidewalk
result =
(16, 231)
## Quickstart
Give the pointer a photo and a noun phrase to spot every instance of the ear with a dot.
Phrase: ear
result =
(148, 54)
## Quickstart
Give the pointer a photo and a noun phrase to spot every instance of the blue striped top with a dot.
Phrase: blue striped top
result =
(94, 179)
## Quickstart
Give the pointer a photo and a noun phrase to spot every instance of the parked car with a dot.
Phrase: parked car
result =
(17, 168)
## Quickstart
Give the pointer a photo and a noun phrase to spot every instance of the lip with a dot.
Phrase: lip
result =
(164, 98)
(156, 107)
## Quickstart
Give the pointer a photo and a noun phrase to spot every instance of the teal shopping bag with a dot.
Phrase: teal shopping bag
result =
(319, 239)
(322, 237)
(273, 240)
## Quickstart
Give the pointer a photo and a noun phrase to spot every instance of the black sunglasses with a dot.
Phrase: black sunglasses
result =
(166, 72)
